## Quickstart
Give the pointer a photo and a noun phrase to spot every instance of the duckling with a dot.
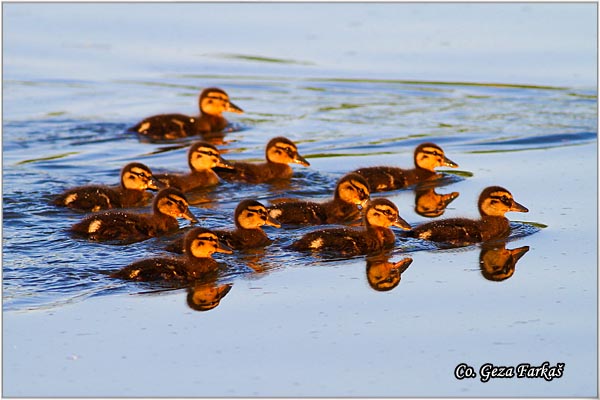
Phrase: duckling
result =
(206, 296)
(129, 227)
(279, 152)
(212, 103)
(379, 215)
(135, 179)
(351, 191)
(493, 203)
(200, 244)
(250, 216)
(427, 157)
(498, 263)
(383, 275)
(202, 158)
(430, 204)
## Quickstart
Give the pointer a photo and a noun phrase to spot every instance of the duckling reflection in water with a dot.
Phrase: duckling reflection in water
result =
(213, 102)
(351, 192)
(493, 203)
(427, 157)
(383, 275)
(200, 244)
(206, 296)
(136, 178)
(498, 263)
(202, 158)
(279, 153)
(376, 236)
(430, 204)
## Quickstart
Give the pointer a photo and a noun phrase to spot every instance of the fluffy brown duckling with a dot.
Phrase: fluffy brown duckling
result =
(169, 204)
(136, 178)
(250, 216)
(430, 204)
(279, 153)
(351, 191)
(200, 244)
(493, 203)
(498, 263)
(376, 235)
(427, 156)
(384, 275)
(212, 103)
(202, 158)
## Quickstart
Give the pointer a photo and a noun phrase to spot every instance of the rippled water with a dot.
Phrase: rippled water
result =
(539, 141)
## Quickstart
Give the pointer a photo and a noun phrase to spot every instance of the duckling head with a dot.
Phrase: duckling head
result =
(214, 101)
(383, 275)
(383, 213)
(496, 201)
(430, 156)
(430, 204)
(137, 176)
(354, 189)
(498, 264)
(283, 151)
(206, 296)
(172, 202)
(202, 243)
(203, 156)
(250, 214)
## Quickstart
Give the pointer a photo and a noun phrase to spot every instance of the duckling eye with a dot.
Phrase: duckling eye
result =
(250, 214)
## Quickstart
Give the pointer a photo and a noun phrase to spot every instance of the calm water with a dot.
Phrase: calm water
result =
(294, 325)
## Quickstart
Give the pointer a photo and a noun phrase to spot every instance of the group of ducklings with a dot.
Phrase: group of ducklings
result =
(351, 201)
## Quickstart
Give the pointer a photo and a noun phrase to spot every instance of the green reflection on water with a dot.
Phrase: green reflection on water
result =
(54, 157)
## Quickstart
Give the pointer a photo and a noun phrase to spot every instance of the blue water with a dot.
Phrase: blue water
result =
(517, 109)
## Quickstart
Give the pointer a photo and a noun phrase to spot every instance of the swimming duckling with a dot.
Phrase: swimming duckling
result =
(351, 191)
(250, 216)
(383, 275)
(430, 204)
(212, 103)
(279, 153)
(493, 203)
(202, 158)
(427, 157)
(498, 263)
(135, 179)
(206, 296)
(379, 215)
(200, 244)
(169, 204)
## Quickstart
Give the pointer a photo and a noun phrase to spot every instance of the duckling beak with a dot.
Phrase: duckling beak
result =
(272, 222)
(155, 184)
(233, 108)
(301, 160)
(518, 207)
(448, 198)
(189, 216)
(221, 162)
(403, 264)
(519, 252)
(400, 223)
(223, 248)
(449, 163)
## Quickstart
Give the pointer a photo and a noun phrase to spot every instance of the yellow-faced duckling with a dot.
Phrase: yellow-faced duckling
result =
(376, 236)
(428, 156)
(430, 204)
(202, 158)
(493, 203)
(351, 191)
(498, 263)
(206, 296)
(384, 275)
(135, 179)
(212, 103)
(250, 216)
(279, 153)
(169, 204)
(200, 244)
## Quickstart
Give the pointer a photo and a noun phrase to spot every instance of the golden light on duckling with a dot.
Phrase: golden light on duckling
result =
(384, 275)
(206, 296)
(430, 204)
(497, 263)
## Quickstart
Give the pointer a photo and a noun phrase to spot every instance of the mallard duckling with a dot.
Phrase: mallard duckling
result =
(427, 157)
(383, 275)
(430, 204)
(135, 179)
(202, 158)
(498, 263)
(212, 103)
(376, 236)
(169, 204)
(493, 203)
(200, 244)
(206, 296)
(351, 191)
(279, 153)
(249, 216)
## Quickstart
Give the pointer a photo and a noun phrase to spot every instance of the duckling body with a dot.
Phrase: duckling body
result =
(200, 244)
(427, 157)
(493, 203)
(279, 152)
(135, 179)
(202, 158)
(212, 103)
(376, 236)
(351, 191)
(168, 205)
